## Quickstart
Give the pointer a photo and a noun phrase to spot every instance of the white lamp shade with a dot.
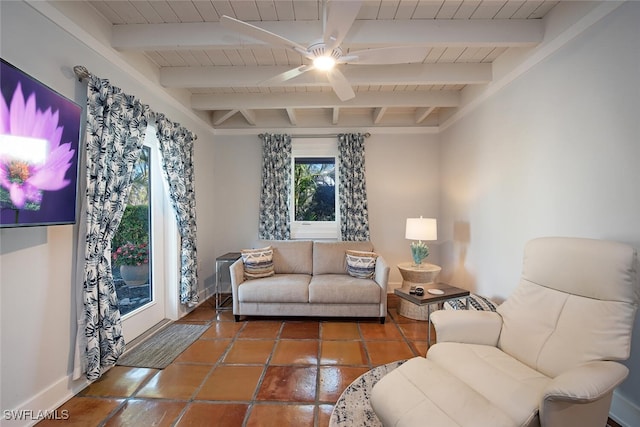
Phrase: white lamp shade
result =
(421, 229)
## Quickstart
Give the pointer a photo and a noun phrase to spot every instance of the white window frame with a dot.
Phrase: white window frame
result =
(321, 148)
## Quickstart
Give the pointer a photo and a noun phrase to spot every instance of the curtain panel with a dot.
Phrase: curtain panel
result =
(276, 184)
(116, 125)
(354, 214)
(176, 147)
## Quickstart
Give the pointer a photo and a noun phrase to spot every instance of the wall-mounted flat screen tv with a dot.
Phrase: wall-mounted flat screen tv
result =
(39, 146)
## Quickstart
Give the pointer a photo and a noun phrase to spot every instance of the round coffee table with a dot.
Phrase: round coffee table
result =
(416, 275)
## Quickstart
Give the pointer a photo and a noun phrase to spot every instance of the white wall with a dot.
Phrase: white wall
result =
(37, 305)
(37, 300)
(402, 181)
(554, 153)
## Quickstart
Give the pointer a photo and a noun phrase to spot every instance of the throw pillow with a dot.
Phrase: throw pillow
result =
(258, 263)
(476, 302)
(361, 264)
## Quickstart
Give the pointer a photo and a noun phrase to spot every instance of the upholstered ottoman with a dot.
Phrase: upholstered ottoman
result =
(445, 392)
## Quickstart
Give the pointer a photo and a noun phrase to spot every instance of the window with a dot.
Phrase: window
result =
(314, 198)
(314, 180)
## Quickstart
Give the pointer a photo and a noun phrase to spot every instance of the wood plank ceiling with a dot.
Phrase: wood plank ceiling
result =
(224, 70)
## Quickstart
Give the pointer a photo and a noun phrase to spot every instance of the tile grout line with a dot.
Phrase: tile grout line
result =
(188, 402)
(254, 398)
(318, 415)
(316, 411)
(406, 338)
(208, 375)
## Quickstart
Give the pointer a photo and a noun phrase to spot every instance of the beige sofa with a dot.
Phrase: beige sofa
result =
(311, 280)
(548, 356)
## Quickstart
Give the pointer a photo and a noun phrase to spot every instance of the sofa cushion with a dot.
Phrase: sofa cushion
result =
(291, 256)
(257, 262)
(278, 288)
(361, 264)
(343, 289)
(330, 257)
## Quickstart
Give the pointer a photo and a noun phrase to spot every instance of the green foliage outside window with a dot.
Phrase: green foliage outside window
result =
(134, 227)
(314, 184)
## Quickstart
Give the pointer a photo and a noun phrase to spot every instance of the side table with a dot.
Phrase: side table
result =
(223, 279)
(428, 299)
(412, 276)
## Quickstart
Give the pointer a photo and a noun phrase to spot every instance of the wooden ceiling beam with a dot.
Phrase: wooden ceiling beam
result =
(399, 74)
(370, 33)
(249, 116)
(302, 100)
(378, 113)
(219, 117)
(291, 113)
(422, 113)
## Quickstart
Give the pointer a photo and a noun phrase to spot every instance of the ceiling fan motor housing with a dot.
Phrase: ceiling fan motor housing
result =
(319, 49)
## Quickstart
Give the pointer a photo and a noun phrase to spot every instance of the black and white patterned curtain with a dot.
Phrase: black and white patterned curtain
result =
(354, 214)
(276, 184)
(176, 148)
(116, 125)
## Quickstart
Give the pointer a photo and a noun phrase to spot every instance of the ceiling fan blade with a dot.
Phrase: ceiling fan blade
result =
(287, 75)
(386, 55)
(261, 34)
(340, 84)
(340, 17)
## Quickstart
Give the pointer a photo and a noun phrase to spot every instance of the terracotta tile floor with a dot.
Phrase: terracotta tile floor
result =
(258, 372)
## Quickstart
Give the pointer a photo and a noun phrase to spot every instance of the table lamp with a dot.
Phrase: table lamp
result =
(420, 229)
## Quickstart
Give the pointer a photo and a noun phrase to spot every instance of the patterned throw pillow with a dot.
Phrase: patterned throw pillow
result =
(476, 302)
(361, 264)
(258, 263)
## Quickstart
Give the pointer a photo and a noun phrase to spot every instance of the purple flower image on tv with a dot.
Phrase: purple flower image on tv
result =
(39, 133)
(26, 175)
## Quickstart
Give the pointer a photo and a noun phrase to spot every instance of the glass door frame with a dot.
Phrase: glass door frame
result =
(164, 242)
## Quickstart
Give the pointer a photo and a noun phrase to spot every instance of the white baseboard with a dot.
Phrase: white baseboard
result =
(43, 403)
(205, 294)
(623, 411)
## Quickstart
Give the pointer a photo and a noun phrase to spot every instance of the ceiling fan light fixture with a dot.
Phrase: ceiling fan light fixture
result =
(324, 62)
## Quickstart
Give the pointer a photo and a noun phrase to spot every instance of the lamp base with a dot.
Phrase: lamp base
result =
(418, 275)
(423, 275)
(419, 251)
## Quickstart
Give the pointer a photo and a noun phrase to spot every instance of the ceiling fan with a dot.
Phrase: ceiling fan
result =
(337, 18)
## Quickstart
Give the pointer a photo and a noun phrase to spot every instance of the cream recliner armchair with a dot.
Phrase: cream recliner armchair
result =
(546, 358)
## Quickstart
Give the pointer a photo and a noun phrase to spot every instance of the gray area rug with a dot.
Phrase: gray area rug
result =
(353, 408)
(162, 348)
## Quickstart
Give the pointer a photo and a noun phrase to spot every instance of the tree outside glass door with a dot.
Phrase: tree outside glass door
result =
(131, 248)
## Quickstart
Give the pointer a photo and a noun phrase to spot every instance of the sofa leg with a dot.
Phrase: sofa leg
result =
(237, 317)
(382, 319)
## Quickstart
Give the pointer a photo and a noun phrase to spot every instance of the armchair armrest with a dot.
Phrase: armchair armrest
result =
(581, 396)
(381, 276)
(466, 326)
(587, 382)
